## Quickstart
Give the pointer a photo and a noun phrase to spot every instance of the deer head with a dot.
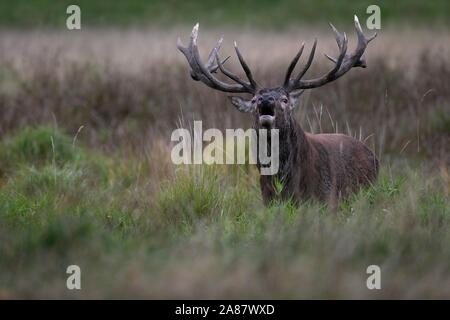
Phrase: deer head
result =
(272, 107)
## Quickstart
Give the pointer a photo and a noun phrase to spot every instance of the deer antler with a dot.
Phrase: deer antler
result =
(342, 64)
(204, 72)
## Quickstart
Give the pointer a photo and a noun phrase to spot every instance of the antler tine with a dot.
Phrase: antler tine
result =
(209, 65)
(360, 32)
(244, 65)
(212, 57)
(212, 54)
(339, 37)
(308, 63)
(216, 67)
(229, 74)
(199, 70)
(342, 44)
(330, 58)
(217, 84)
(339, 40)
(342, 64)
(291, 67)
(362, 40)
(203, 73)
(186, 53)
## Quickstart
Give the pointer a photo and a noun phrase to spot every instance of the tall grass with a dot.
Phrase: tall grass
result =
(205, 233)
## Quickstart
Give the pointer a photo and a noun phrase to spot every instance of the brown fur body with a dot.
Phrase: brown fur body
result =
(323, 167)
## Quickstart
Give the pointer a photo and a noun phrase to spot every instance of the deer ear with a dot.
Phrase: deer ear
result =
(295, 98)
(241, 104)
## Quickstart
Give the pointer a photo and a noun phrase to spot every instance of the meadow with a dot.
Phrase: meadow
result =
(86, 176)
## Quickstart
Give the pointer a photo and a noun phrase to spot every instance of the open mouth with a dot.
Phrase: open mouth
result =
(267, 110)
(267, 115)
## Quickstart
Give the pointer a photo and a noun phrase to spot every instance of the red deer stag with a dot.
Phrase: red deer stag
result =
(325, 167)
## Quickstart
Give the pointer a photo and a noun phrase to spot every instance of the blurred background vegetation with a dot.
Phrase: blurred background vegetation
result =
(263, 13)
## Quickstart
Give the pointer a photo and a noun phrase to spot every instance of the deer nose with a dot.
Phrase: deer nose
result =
(264, 101)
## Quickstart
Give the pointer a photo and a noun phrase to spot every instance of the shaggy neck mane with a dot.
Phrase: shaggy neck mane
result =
(294, 152)
(294, 149)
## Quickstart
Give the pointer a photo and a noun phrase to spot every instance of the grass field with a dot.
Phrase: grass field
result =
(202, 232)
(86, 176)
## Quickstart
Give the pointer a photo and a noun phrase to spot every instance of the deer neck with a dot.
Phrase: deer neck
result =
(294, 156)
(294, 152)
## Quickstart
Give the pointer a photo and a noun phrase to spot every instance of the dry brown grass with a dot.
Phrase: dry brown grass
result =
(129, 88)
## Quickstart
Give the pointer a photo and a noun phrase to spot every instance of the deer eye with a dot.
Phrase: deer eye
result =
(284, 100)
(253, 100)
